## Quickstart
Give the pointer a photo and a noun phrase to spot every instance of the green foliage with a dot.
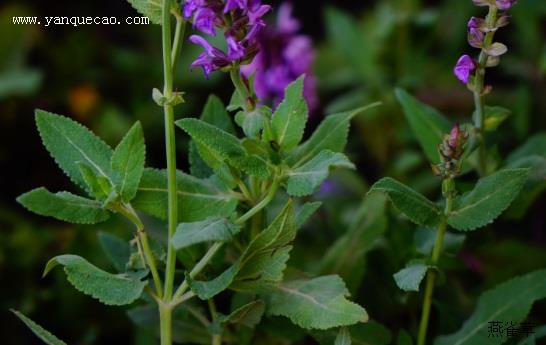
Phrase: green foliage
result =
(343, 337)
(415, 206)
(116, 249)
(331, 135)
(510, 301)
(41, 333)
(494, 117)
(110, 289)
(222, 147)
(253, 122)
(69, 143)
(409, 278)
(262, 263)
(288, 121)
(427, 124)
(318, 303)
(305, 212)
(128, 163)
(64, 206)
(208, 230)
(149, 8)
(198, 199)
(98, 186)
(346, 255)
(306, 178)
(371, 333)
(489, 198)
(249, 314)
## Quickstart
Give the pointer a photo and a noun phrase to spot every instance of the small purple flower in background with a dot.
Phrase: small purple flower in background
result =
(463, 68)
(505, 4)
(245, 23)
(284, 56)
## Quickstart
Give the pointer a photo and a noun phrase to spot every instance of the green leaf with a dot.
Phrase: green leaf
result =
(98, 186)
(343, 337)
(489, 198)
(262, 262)
(211, 229)
(305, 212)
(534, 146)
(510, 301)
(110, 289)
(346, 255)
(253, 122)
(288, 121)
(331, 134)
(249, 314)
(404, 338)
(117, 250)
(68, 142)
(128, 163)
(41, 333)
(64, 206)
(369, 333)
(222, 146)
(198, 199)
(494, 117)
(426, 123)
(149, 8)
(305, 179)
(409, 278)
(317, 303)
(415, 206)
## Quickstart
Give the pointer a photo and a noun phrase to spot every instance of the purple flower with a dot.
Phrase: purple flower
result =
(505, 4)
(240, 31)
(465, 65)
(212, 59)
(475, 23)
(284, 56)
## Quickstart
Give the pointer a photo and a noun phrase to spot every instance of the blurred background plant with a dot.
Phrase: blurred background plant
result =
(102, 76)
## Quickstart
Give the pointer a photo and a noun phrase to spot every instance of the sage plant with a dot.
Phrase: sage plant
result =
(217, 235)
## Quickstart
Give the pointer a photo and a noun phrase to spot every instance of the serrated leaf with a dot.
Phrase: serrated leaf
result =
(128, 163)
(262, 262)
(68, 142)
(253, 122)
(110, 289)
(510, 301)
(409, 278)
(489, 198)
(149, 8)
(415, 206)
(343, 337)
(64, 206)
(305, 179)
(331, 135)
(222, 146)
(198, 199)
(289, 119)
(208, 230)
(427, 124)
(318, 303)
(346, 255)
(370, 333)
(38, 330)
(249, 314)
(116, 249)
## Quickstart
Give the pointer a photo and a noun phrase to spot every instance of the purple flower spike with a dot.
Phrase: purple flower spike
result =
(505, 4)
(285, 22)
(204, 20)
(235, 4)
(189, 7)
(465, 65)
(235, 49)
(256, 11)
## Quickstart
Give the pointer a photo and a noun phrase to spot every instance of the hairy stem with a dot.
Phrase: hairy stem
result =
(479, 113)
(431, 274)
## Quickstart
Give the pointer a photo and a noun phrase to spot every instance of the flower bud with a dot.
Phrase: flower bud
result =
(505, 5)
(503, 21)
(451, 151)
(475, 38)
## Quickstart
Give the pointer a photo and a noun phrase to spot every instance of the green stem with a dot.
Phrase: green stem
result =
(216, 338)
(165, 311)
(431, 274)
(179, 32)
(479, 113)
(242, 89)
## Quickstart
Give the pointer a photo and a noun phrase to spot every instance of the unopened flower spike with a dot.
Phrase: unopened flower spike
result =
(451, 151)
